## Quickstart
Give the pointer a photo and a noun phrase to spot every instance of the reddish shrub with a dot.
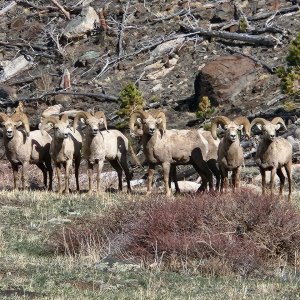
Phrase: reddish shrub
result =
(243, 231)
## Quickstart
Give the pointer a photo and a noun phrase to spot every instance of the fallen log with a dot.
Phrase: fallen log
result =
(269, 14)
(102, 96)
(16, 66)
(256, 40)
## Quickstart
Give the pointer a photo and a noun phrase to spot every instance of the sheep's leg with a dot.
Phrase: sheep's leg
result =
(288, 169)
(236, 179)
(50, 171)
(67, 175)
(90, 174)
(15, 168)
(115, 164)
(224, 179)
(58, 173)
(263, 180)
(125, 167)
(77, 164)
(173, 176)
(43, 168)
(24, 174)
(100, 167)
(166, 172)
(150, 177)
(212, 164)
(282, 180)
(272, 181)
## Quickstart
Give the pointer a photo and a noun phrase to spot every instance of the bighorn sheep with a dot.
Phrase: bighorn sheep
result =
(170, 148)
(230, 152)
(211, 154)
(273, 153)
(23, 147)
(65, 147)
(98, 145)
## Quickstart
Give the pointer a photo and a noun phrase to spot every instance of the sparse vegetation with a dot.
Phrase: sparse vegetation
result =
(130, 99)
(290, 76)
(30, 268)
(204, 110)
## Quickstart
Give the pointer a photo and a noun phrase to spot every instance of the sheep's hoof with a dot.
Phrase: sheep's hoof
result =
(66, 191)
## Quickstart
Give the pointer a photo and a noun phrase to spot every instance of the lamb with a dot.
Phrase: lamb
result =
(170, 148)
(65, 148)
(23, 147)
(273, 153)
(99, 146)
(230, 152)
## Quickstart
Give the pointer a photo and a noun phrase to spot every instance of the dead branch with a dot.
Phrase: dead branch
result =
(122, 27)
(98, 96)
(264, 41)
(63, 10)
(266, 66)
(270, 14)
(8, 7)
(32, 5)
(169, 17)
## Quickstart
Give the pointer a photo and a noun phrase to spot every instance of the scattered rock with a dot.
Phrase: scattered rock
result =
(7, 93)
(64, 100)
(167, 47)
(82, 24)
(87, 58)
(222, 81)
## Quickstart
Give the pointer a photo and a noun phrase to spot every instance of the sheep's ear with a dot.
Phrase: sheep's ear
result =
(241, 127)
(278, 126)
(82, 120)
(259, 126)
(158, 121)
(139, 121)
(225, 126)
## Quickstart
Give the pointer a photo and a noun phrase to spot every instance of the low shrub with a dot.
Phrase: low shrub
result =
(242, 232)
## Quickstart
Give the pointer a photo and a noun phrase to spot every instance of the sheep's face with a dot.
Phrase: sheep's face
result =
(232, 131)
(268, 131)
(61, 130)
(9, 128)
(150, 125)
(93, 125)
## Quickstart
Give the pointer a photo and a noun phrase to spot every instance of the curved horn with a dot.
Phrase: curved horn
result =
(163, 125)
(21, 117)
(134, 116)
(261, 121)
(246, 125)
(3, 117)
(64, 118)
(79, 115)
(278, 120)
(50, 119)
(99, 115)
(215, 122)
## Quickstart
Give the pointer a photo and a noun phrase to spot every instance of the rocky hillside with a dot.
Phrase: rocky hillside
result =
(82, 53)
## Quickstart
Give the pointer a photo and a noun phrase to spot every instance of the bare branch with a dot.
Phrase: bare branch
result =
(8, 7)
(66, 13)
(121, 34)
(264, 41)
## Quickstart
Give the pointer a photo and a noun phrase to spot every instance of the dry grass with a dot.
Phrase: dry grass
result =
(242, 233)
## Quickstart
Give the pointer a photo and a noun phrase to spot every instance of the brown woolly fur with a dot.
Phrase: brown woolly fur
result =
(241, 232)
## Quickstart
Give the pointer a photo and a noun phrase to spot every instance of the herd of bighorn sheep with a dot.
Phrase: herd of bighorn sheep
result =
(209, 155)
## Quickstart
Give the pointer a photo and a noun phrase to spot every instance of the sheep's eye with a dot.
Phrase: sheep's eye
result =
(68, 126)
